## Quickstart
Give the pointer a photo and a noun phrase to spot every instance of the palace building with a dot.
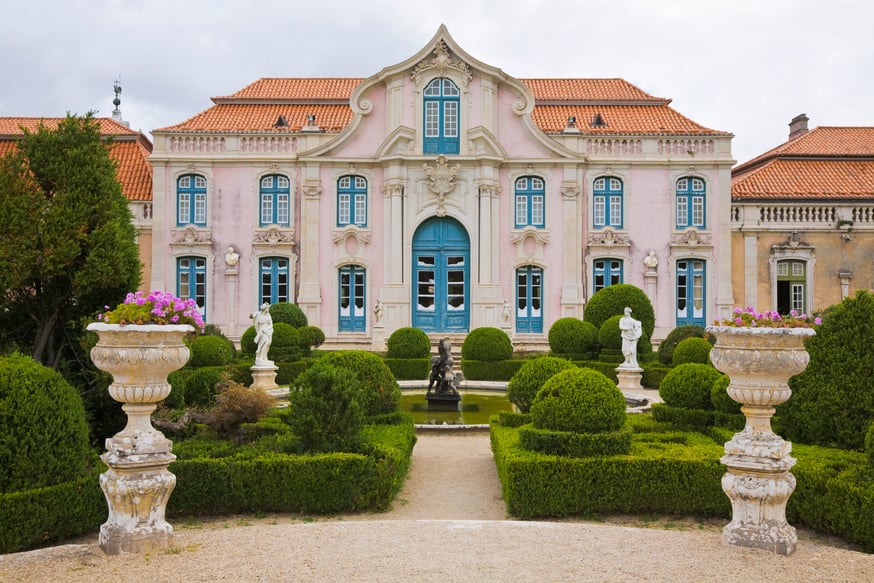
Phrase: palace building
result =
(441, 193)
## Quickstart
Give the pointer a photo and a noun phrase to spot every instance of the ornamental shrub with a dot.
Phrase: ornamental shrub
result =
(43, 428)
(666, 348)
(201, 387)
(692, 350)
(288, 314)
(524, 385)
(310, 337)
(689, 386)
(210, 351)
(573, 336)
(832, 400)
(285, 345)
(609, 335)
(579, 400)
(235, 405)
(325, 411)
(613, 299)
(487, 344)
(247, 342)
(720, 399)
(213, 330)
(380, 392)
(869, 443)
(408, 343)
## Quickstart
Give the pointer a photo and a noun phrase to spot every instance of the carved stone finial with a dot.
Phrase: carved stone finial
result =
(441, 64)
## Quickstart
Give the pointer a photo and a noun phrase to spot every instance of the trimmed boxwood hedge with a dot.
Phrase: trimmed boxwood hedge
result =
(487, 344)
(409, 369)
(481, 370)
(573, 444)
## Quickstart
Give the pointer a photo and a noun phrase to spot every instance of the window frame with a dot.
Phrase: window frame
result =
(191, 200)
(270, 272)
(529, 206)
(691, 203)
(608, 272)
(529, 322)
(274, 199)
(441, 117)
(197, 269)
(354, 289)
(352, 201)
(608, 203)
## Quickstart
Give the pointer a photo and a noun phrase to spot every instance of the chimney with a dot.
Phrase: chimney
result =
(798, 125)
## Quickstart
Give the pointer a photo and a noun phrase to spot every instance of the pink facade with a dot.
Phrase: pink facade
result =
(444, 194)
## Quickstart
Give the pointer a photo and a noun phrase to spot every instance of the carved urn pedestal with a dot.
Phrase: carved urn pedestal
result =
(629, 378)
(138, 484)
(264, 375)
(759, 363)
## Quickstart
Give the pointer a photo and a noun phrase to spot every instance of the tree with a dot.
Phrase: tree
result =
(67, 243)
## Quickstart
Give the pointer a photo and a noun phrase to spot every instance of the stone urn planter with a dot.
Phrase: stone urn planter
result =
(138, 484)
(759, 361)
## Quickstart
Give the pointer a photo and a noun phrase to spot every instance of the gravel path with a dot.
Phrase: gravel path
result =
(447, 524)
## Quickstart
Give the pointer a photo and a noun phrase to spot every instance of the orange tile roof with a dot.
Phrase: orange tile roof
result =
(625, 108)
(824, 163)
(617, 119)
(587, 90)
(263, 117)
(130, 149)
(297, 88)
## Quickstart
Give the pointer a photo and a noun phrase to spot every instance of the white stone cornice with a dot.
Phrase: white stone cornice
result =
(608, 238)
(691, 239)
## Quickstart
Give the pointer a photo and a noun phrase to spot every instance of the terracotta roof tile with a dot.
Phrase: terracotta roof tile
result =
(262, 118)
(11, 126)
(824, 163)
(273, 88)
(130, 149)
(617, 119)
(586, 90)
(625, 108)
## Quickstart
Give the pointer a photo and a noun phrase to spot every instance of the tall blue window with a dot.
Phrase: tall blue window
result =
(352, 301)
(530, 202)
(352, 201)
(275, 200)
(691, 293)
(191, 281)
(191, 200)
(442, 99)
(606, 272)
(529, 300)
(607, 203)
(690, 203)
(274, 276)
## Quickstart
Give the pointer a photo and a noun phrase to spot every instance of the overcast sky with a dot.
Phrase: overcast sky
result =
(742, 66)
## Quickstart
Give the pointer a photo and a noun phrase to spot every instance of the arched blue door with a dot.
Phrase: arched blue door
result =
(441, 258)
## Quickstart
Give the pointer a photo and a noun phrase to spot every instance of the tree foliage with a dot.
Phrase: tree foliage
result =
(67, 243)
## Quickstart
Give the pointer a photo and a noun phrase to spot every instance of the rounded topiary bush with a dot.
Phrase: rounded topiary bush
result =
(310, 337)
(523, 386)
(689, 386)
(609, 335)
(579, 400)
(667, 346)
(201, 387)
(43, 427)
(288, 314)
(719, 396)
(325, 412)
(573, 336)
(247, 342)
(285, 346)
(408, 343)
(613, 299)
(488, 344)
(210, 351)
(380, 392)
(695, 350)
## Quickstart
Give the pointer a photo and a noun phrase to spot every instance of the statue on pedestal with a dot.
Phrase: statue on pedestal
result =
(263, 334)
(631, 333)
(441, 370)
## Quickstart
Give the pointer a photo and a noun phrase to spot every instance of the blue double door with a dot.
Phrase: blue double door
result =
(441, 274)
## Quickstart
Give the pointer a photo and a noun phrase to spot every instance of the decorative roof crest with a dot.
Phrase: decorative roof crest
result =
(442, 63)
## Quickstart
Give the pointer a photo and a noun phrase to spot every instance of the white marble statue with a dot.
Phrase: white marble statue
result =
(263, 335)
(232, 257)
(631, 332)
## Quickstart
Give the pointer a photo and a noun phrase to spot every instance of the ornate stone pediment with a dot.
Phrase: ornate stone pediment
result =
(530, 243)
(608, 238)
(197, 241)
(274, 237)
(442, 63)
(691, 238)
(350, 242)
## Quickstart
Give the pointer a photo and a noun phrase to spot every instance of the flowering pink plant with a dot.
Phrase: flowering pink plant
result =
(156, 308)
(749, 317)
